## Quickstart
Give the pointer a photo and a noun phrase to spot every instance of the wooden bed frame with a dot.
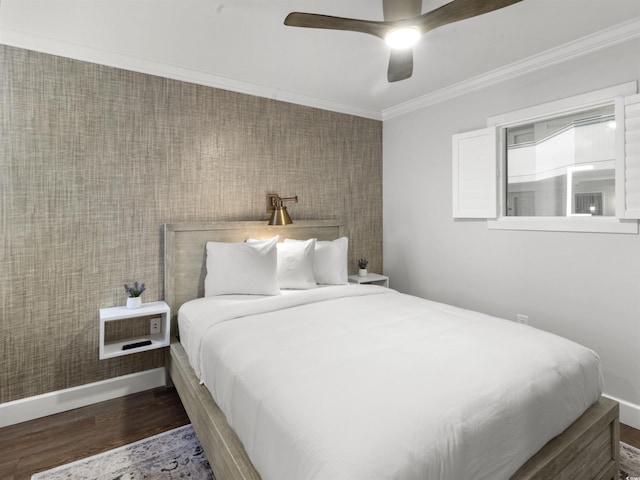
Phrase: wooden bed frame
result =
(586, 450)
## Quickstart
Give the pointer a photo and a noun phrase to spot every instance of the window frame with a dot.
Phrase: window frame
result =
(616, 224)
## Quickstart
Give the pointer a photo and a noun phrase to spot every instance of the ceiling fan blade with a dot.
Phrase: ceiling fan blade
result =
(314, 20)
(400, 65)
(398, 14)
(400, 9)
(459, 10)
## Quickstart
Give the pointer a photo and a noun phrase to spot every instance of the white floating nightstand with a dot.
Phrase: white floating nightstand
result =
(115, 314)
(370, 279)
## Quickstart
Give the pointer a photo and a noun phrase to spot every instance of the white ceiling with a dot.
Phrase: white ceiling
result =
(243, 45)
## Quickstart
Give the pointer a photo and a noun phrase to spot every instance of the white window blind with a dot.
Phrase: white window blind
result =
(630, 170)
(474, 174)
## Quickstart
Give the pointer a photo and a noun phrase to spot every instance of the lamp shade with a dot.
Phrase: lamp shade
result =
(280, 216)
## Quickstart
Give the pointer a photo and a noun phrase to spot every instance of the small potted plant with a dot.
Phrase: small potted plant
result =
(133, 294)
(362, 267)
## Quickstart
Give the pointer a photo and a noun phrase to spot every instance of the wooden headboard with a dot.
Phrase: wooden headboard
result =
(185, 251)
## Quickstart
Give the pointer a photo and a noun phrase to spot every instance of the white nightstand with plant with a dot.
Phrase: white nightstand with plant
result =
(364, 277)
(159, 325)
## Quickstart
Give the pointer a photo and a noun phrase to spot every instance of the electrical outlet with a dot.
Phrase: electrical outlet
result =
(522, 319)
(155, 325)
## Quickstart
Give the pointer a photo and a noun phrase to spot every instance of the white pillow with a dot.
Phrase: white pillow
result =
(295, 264)
(242, 268)
(330, 261)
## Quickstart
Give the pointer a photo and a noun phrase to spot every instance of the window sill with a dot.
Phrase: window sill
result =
(565, 224)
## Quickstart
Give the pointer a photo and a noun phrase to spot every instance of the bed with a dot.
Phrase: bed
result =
(586, 448)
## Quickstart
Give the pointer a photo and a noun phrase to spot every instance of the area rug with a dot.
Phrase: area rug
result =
(629, 462)
(169, 455)
(178, 454)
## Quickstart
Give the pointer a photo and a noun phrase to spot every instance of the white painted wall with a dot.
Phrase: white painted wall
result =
(583, 286)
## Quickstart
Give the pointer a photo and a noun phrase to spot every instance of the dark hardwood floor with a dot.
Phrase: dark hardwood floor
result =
(41, 444)
(630, 435)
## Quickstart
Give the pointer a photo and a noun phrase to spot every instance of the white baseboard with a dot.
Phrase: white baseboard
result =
(629, 412)
(38, 406)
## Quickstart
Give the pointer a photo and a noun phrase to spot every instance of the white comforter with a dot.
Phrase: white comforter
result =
(365, 383)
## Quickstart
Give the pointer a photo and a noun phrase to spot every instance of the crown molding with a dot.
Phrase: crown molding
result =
(109, 58)
(617, 34)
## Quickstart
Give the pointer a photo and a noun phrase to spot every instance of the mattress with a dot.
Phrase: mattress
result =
(365, 383)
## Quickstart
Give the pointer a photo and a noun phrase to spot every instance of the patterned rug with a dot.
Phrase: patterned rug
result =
(629, 462)
(178, 454)
(169, 455)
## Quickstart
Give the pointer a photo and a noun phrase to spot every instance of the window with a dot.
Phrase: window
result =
(569, 165)
(562, 166)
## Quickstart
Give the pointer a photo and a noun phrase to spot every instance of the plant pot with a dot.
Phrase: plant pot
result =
(134, 302)
(362, 272)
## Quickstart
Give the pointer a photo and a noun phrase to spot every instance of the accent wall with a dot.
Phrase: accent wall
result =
(94, 160)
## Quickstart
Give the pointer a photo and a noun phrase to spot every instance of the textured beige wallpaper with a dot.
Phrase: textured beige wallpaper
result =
(93, 160)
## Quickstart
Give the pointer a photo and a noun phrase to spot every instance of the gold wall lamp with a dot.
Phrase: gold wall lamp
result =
(279, 214)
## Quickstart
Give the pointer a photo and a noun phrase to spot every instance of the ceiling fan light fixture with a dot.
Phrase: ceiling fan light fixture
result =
(401, 38)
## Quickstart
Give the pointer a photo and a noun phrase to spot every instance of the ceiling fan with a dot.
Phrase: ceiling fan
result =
(403, 25)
